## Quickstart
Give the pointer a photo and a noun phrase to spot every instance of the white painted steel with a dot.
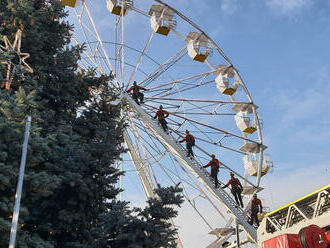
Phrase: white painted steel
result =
(98, 54)
(140, 167)
(195, 168)
(18, 194)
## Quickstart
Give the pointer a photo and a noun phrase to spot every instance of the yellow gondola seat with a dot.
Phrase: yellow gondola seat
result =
(162, 19)
(71, 3)
(251, 166)
(119, 7)
(242, 120)
(227, 80)
(198, 46)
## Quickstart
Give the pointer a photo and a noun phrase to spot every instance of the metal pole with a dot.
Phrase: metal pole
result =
(19, 185)
(237, 234)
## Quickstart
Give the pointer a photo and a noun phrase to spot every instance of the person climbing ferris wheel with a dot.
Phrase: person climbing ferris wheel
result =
(165, 66)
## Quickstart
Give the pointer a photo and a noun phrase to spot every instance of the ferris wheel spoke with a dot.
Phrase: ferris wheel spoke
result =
(98, 36)
(181, 80)
(167, 104)
(140, 144)
(198, 100)
(206, 113)
(211, 127)
(182, 37)
(99, 60)
(153, 146)
(82, 26)
(167, 170)
(164, 67)
(122, 18)
(196, 185)
(197, 107)
(185, 194)
(200, 190)
(183, 89)
(205, 134)
(144, 129)
(140, 58)
(172, 121)
(91, 58)
(93, 52)
(115, 45)
(210, 65)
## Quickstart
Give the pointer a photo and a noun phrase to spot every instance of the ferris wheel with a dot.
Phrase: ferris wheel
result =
(181, 68)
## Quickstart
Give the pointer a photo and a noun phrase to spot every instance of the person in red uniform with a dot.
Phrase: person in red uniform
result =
(236, 188)
(137, 95)
(255, 205)
(190, 142)
(215, 164)
(161, 115)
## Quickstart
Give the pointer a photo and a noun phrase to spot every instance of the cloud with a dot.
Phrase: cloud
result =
(229, 6)
(304, 107)
(299, 181)
(287, 7)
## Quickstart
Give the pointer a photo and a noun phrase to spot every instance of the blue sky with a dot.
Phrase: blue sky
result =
(281, 48)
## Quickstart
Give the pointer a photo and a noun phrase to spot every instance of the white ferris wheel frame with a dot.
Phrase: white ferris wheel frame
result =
(97, 56)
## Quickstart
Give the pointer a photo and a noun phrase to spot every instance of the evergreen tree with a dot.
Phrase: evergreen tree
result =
(68, 176)
(69, 193)
(121, 226)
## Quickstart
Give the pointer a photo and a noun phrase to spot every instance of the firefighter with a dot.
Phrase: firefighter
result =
(161, 115)
(255, 205)
(137, 95)
(215, 164)
(236, 189)
(190, 142)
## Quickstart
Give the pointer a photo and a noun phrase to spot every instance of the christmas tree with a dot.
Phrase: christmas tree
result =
(69, 193)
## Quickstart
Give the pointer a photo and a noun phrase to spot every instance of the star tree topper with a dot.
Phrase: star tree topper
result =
(15, 48)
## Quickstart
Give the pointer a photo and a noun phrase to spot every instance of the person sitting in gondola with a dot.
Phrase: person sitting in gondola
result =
(161, 115)
(137, 95)
(190, 142)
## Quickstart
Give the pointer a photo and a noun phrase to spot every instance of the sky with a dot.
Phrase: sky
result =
(281, 49)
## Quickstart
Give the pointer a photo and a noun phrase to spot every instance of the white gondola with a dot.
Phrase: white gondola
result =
(119, 7)
(242, 120)
(251, 165)
(249, 190)
(162, 19)
(252, 147)
(71, 3)
(198, 46)
(224, 231)
(227, 80)
(244, 107)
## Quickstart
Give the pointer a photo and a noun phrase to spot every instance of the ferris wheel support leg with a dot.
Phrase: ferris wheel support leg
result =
(237, 234)
(144, 176)
(145, 179)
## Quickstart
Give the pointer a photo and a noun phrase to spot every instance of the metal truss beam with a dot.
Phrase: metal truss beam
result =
(196, 169)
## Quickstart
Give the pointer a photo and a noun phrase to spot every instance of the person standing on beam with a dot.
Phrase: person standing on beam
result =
(215, 164)
(190, 142)
(162, 115)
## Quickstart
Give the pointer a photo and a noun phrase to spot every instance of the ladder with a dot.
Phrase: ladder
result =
(196, 169)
